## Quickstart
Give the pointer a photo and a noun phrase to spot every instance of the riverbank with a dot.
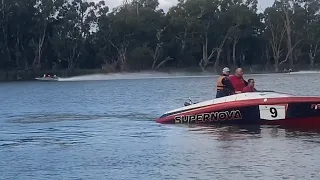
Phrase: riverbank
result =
(30, 75)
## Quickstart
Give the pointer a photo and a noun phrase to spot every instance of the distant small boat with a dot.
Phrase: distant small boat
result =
(287, 71)
(48, 78)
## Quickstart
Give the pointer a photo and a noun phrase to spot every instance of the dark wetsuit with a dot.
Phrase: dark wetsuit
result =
(224, 86)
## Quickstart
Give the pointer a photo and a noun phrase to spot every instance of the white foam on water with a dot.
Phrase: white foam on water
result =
(114, 76)
(159, 75)
(305, 72)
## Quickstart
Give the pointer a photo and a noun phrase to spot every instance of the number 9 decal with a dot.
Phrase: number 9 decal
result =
(272, 112)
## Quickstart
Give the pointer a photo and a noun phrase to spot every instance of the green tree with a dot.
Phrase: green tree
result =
(39, 35)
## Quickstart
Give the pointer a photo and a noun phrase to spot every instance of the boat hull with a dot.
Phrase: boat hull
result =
(47, 79)
(271, 111)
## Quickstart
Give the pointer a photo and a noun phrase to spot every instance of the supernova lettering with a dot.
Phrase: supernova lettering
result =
(208, 117)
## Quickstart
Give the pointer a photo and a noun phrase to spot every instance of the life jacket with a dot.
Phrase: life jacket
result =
(237, 82)
(220, 86)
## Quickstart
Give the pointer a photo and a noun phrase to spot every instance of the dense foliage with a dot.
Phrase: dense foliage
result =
(69, 34)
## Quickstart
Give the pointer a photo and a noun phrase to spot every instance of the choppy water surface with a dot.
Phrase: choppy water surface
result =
(107, 130)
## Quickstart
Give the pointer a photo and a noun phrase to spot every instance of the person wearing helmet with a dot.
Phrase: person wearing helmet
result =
(224, 86)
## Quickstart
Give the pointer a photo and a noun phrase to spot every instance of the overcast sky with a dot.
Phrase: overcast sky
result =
(166, 4)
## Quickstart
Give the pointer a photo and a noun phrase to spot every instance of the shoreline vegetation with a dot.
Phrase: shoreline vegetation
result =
(31, 75)
(76, 37)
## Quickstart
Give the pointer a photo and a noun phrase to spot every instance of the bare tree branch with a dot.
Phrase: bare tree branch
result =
(287, 56)
(164, 61)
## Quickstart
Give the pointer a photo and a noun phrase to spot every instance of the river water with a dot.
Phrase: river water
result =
(107, 130)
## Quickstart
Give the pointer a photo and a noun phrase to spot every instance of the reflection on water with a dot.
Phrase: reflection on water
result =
(107, 130)
(46, 118)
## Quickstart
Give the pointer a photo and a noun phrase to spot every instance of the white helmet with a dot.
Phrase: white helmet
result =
(226, 69)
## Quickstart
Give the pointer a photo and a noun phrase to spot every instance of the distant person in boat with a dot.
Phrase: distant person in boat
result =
(237, 81)
(224, 87)
(287, 71)
(250, 87)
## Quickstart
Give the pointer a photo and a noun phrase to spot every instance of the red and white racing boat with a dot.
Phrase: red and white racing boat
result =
(270, 108)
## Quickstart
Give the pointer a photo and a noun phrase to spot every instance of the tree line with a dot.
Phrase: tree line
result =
(76, 34)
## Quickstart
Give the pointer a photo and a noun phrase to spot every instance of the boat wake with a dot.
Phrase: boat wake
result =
(154, 75)
(305, 72)
(116, 76)
(47, 118)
